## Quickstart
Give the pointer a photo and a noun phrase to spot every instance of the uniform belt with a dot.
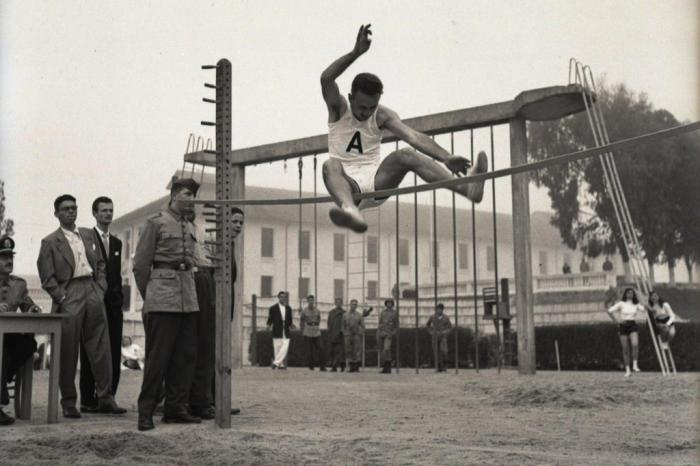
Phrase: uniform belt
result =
(312, 324)
(179, 266)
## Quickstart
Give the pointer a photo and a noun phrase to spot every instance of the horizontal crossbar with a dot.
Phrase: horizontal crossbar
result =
(451, 183)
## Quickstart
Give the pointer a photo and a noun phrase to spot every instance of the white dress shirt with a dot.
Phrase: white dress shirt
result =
(75, 241)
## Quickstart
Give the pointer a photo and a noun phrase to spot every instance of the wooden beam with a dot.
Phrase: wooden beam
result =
(536, 104)
(521, 249)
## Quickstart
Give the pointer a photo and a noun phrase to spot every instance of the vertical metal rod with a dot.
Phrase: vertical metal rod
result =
(254, 330)
(435, 272)
(347, 268)
(398, 288)
(476, 299)
(556, 350)
(415, 265)
(315, 235)
(454, 260)
(301, 166)
(495, 255)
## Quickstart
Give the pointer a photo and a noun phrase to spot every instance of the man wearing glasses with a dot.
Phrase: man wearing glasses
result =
(72, 272)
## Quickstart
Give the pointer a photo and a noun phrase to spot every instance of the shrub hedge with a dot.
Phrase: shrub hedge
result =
(581, 347)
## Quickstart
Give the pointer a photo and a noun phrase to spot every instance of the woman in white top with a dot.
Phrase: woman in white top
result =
(664, 318)
(628, 309)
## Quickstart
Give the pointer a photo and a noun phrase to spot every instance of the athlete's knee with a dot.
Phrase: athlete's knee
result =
(332, 166)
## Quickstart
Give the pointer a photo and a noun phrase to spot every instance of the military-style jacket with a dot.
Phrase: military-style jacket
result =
(14, 293)
(310, 322)
(335, 325)
(163, 264)
(439, 325)
(387, 323)
(353, 323)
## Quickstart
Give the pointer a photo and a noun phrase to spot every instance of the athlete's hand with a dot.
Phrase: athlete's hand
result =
(363, 40)
(458, 164)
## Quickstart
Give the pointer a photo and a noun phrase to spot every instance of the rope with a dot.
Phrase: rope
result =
(451, 183)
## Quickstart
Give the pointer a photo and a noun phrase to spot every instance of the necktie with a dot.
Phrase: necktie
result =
(105, 241)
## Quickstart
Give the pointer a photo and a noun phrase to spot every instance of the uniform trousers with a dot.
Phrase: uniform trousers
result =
(314, 353)
(440, 350)
(384, 347)
(85, 322)
(171, 354)
(353, 347)
(338, 351)
(18, 347)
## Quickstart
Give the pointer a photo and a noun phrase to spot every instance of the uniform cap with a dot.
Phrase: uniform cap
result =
(7, 245)
(181, 183)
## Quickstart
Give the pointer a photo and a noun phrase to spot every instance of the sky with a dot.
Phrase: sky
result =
(99, 98)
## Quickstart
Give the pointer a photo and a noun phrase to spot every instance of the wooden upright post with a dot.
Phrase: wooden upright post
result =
(225, 180)
(521, 248)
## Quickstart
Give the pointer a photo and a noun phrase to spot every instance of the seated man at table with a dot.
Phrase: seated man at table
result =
(18, 347)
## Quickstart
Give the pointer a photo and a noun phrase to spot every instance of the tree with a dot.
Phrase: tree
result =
(658, 203)
(6, 224)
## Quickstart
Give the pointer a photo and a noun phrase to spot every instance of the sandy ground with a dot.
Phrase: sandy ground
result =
(304, 417)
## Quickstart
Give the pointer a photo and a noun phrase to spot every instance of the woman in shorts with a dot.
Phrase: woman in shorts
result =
(663, 317)
(627, 310)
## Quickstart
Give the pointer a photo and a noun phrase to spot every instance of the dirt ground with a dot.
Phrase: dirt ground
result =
(304, 417)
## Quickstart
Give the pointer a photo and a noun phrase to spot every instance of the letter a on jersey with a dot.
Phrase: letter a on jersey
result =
(355, 143)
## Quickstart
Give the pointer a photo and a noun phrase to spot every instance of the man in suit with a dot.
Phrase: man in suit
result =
(110, 248)
(164, 274)
(18, 347)
(73, 273)
(279, 320)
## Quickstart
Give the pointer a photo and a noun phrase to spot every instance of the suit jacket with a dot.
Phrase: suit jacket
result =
(113, 265)
(56, 263)
(275, 319)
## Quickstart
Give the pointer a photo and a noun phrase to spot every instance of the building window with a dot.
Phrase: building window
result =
(543, 262)
(267, 242)
(435, 254)
(338, 247)
(490, 259)
(339, 289)
(371, 289)
(463, 256)
(372, 249)
(403, 252)
(305, 245)
(265, 286)
(303, 287)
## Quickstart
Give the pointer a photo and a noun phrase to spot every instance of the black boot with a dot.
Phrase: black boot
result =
(342, 367)
(387, 367)
(5, 420)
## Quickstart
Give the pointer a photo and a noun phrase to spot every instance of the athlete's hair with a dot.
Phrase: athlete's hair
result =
(368, 83)
(61, 199)
(661, 300)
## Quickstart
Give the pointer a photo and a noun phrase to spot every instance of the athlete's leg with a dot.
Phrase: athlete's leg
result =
(397, 164)
(341, 188)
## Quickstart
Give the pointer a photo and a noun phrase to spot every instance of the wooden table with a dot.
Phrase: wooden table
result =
(12, 322)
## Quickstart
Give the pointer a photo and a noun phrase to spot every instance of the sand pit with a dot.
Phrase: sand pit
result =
(304, 417)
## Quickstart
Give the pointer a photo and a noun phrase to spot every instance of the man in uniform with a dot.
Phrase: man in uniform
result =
(163, 269)
(439, 326)
(355, 129)
(353, 329)
(335, 336)
(18, 347)
(309, 323)
(72, 272)
(386, 329)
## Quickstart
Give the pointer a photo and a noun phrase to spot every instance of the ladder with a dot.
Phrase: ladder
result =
(583, 76)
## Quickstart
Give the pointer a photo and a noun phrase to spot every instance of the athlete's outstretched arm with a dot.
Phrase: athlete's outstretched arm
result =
(331, 93)
(389, 119)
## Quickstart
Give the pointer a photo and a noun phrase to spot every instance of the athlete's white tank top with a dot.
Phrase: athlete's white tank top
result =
(355, 142)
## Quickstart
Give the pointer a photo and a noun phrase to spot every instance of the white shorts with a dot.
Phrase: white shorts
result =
(363, 176)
